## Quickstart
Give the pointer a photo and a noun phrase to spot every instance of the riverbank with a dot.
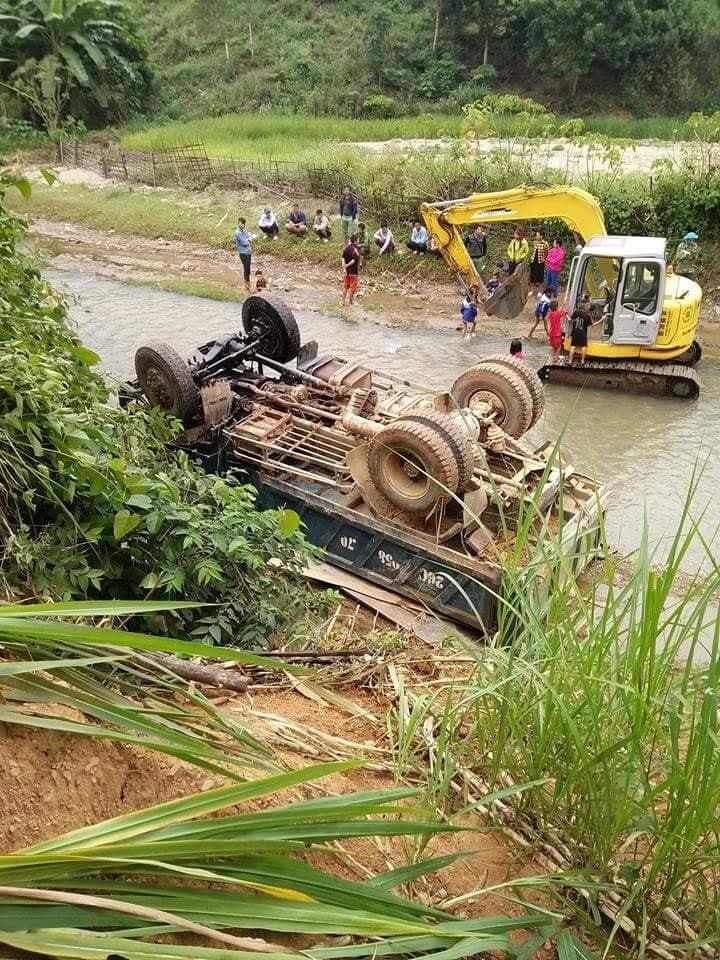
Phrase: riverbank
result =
(181, 241)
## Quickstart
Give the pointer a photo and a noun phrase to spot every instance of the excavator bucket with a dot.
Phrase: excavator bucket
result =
(508, 300)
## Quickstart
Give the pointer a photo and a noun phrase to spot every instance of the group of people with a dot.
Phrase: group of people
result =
(357, 244)
(546, 260)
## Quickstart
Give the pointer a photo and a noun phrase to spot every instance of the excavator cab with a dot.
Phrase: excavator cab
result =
(624, 278)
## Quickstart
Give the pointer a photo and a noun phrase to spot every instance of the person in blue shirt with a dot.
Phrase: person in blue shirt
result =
(243, 242)
(297, 222)
(468, 314)
(418, 241)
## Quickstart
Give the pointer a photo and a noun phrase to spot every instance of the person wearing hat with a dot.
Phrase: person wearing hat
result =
(687, 255)
(268, 223)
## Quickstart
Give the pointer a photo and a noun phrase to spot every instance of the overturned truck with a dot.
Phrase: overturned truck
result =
(421, 492)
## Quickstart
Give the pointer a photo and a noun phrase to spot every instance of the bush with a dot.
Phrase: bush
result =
(485, 74)
(379, 107)
(440, 77)
(18, 134)
(94, 505)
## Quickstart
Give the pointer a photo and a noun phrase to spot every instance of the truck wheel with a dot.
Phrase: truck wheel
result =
(529, 377)
(456, 436)
(413, 465)
(167, 381)
(274, 326)
(502, 390)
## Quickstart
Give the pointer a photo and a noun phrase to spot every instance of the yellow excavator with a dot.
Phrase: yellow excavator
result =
(645, 342)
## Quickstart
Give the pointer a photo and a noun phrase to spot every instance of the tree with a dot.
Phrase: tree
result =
(76, 54)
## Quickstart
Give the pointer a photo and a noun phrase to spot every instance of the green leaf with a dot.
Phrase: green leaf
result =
(82, 945)
(198, 804)
(84, 354)
(78, 633)
(140, 500)
(49, 176)
(24, 186)
(570, 948)
(288, 523)
(25, 31)
(74, 64)
(395, 878)
(93, 608)
(124, 523)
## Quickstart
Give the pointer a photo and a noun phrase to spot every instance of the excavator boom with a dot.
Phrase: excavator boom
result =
(577, 208)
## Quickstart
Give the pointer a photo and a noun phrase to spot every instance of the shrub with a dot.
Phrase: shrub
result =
(440, 77)
(94, 505)
(379, 106)
(485, 74)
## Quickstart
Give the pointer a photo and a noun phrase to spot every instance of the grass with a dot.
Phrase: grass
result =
(246, 867)
(592, 700)
(207, 218)
(296, 137)
(251, 136)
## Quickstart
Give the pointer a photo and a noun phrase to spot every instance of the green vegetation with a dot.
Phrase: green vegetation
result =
(599, 702)
(72, 58)
(680, 196)
(250, 136)
(93, 503)
(109, 886)
(295, 137)
(338, 58)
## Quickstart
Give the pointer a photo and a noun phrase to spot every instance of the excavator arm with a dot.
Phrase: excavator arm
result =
(577, 208)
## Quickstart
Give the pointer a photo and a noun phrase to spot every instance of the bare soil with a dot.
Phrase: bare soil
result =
(55, 782)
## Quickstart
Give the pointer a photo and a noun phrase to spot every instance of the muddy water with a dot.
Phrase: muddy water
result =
(647, 449)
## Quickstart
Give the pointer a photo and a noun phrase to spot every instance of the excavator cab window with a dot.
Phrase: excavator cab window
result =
(598, 280)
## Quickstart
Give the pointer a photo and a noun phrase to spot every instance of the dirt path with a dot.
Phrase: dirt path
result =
(406, 303)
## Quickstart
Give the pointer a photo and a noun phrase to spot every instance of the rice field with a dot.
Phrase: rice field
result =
(256, 136)
(251, 136)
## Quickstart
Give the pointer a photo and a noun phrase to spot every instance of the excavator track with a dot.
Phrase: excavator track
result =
(663, 379)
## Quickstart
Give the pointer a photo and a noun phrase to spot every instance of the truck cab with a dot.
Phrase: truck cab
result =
(624, 277)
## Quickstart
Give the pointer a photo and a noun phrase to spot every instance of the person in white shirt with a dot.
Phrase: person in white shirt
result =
(384, 238)
(321, 226)
(268, 224)
(418, 241)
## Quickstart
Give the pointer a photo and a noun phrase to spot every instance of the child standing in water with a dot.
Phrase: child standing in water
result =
(516, 349)
(553, 328)
(541, 310)
(468, 314)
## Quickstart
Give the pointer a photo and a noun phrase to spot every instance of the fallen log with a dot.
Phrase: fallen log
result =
(204, 674)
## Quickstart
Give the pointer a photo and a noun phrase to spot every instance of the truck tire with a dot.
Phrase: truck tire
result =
(460, 441)
(530, 378)
(274, 324)
(502, 389)
(166, 380)
(413, 465)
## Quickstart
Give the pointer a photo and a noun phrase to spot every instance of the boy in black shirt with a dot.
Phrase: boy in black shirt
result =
(580, 322)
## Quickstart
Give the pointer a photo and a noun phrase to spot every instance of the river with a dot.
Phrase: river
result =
(647, 449)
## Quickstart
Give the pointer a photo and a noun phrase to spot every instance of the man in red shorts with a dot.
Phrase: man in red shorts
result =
(350, 261)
